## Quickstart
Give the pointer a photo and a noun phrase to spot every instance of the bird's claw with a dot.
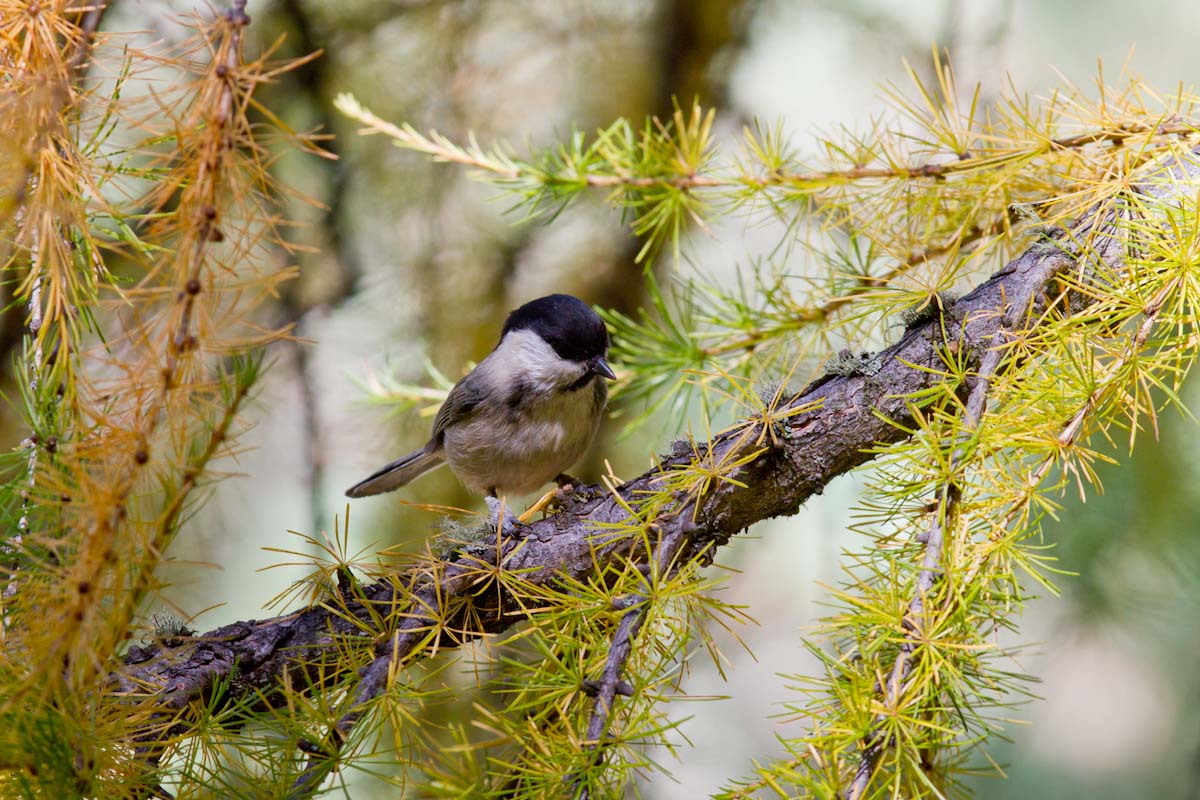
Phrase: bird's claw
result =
(563, 480)
(572, 491)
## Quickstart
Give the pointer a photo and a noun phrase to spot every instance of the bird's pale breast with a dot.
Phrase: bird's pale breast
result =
(522, 446)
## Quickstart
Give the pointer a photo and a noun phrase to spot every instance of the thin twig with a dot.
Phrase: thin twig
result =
(442, 149)
(314, 451)
(610, 684)
(88, 25)
(862, 285)
(80, 60)
(376, 678)
(913, 623)
(217, 438)
(324, 757)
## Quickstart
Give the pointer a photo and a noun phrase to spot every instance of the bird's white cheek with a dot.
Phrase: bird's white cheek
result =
(524, 357)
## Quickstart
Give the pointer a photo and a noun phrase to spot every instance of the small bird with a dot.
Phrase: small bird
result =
(526, 413)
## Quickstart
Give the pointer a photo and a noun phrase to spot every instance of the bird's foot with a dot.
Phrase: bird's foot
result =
(573, 486)
(503, 520)
(564, 481)
(572, 491)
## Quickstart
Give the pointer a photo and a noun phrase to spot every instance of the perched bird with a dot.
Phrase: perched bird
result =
(526, 413)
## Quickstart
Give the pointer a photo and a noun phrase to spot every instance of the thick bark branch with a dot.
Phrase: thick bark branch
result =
(848, 418)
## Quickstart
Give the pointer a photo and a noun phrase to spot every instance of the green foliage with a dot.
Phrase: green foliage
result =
(1112, 367)
(650, 173)
(535, 712)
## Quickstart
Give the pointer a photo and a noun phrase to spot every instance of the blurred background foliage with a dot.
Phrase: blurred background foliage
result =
(414, 264)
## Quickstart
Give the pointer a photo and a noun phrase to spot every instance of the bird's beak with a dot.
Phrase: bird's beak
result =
(598, 366)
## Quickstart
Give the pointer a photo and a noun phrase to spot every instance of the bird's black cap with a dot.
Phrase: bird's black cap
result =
(566, 323)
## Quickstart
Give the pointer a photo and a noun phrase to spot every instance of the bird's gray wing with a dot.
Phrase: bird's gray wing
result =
(460, 404)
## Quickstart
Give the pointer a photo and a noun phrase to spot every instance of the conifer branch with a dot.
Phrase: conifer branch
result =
(200, 203)
(1071, 428)
(662, 564)
(129, 427)
(89, 24)
(863, 284)
(941, 525)
(504, 167)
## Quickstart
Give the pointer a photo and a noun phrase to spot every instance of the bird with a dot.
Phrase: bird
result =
(527, 412)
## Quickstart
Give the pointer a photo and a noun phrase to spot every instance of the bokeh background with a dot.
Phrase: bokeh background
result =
(415, 263)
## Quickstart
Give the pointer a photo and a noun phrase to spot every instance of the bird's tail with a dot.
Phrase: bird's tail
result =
(397, 474)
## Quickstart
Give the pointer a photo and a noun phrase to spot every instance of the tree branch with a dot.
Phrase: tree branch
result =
(374, 682)
(914, 621)
(505, 168)
(840, 421)
(876, 741)
(663, 563)
(89, 24)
